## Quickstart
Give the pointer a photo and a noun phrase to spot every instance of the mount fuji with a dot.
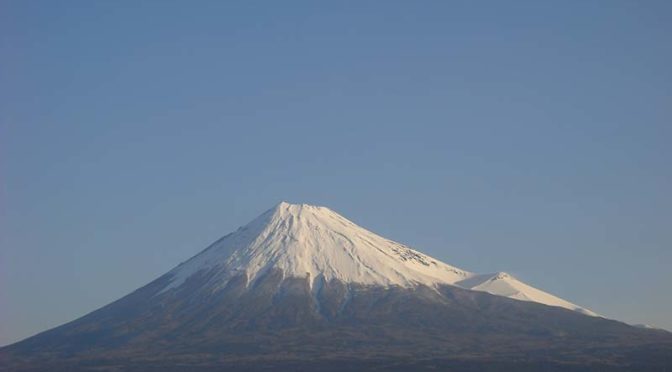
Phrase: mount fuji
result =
(319, 245)
(303, 288)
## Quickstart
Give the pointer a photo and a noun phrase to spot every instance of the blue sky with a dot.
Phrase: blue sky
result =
(528, 137)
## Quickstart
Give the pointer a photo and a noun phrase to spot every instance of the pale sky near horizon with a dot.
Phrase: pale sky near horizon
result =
(532, 137)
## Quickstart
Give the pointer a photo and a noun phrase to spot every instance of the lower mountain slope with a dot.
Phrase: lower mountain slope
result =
(289, 323)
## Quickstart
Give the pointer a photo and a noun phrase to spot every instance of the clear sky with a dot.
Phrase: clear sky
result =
(531, 137)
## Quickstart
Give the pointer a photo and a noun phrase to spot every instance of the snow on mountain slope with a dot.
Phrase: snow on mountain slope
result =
(305, 240)
(503, 284)
(309, 241)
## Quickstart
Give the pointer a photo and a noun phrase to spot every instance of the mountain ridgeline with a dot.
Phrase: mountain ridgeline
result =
(303, 288)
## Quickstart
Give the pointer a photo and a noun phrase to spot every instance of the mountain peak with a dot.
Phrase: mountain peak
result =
(285, 209)
(315, 243)
(303, 240)
(295, 207)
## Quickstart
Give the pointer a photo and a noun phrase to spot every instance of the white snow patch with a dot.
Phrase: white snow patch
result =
(503, 284)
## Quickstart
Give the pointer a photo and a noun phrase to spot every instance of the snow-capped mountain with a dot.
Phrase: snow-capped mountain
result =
(302, 288)
(307, 241)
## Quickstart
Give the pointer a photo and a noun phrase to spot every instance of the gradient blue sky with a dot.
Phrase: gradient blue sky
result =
(532, 137)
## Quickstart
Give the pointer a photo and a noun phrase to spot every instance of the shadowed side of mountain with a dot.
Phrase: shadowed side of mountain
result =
(290, 321)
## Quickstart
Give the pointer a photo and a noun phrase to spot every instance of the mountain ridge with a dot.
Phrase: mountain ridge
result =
(208, 314)
(304, 239)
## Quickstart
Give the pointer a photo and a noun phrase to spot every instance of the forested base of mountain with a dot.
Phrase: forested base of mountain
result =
(334, 365)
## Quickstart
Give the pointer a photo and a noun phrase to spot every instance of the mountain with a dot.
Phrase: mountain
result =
(303, 288)
(316, 243)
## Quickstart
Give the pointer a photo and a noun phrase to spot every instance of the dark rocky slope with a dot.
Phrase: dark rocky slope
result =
(283, 323)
